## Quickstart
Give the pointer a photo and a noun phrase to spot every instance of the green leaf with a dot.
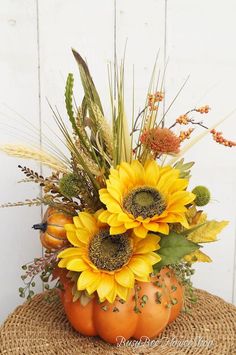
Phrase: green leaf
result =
(87, 81)
(173, 248)
(184, 169)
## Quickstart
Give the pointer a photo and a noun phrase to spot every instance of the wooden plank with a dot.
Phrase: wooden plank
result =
(87, 26)
(142, 25)
(199, 42)
(19, 91)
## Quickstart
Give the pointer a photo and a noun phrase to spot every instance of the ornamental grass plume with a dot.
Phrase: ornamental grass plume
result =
(160, 140)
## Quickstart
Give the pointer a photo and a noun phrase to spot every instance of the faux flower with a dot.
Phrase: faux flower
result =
(144, 198)
(160, 140)
(108, 264)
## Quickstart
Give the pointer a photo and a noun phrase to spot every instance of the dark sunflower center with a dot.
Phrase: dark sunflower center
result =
(145, 202)
(110, 252)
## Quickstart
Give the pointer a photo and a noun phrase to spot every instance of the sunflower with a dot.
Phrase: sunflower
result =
(144, 198)
(107, 264)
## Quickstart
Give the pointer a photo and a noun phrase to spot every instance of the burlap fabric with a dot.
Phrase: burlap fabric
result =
(41, 328)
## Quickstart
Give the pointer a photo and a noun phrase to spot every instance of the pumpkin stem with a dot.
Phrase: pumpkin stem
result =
(40, 226)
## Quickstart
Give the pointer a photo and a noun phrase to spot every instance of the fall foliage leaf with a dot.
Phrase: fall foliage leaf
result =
(208, 231)
(197, 255)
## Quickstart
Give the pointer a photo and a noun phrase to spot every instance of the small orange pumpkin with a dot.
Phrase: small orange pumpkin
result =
(114, 321)
(53, 233)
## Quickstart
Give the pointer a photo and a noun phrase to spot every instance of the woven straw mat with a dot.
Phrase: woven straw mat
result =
(38, 327)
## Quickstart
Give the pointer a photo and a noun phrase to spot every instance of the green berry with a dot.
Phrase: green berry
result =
(203, 195)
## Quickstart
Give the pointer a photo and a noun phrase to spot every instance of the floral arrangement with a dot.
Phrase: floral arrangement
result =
(121, 230)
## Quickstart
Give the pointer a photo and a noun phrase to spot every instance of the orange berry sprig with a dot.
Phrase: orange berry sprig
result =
(185, 134)
(154, 99)
(152, 105)
(218, 137)
(203, 109)
(185, 120)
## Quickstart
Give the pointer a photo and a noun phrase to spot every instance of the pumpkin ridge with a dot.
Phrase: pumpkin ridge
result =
(53, 236)
(55, 225)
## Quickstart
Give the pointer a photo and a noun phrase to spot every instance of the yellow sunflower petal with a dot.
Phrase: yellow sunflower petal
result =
(179, 184)
(83, 235)
(112, 205)
(71, 236)
(77, 222)
(94, 285)
(184, 222)
(115, 182)
(123, 217)
(63, 262)
(177, 208)
(113, 221)
(165, 169)
(167, 180)
(111, 296)
(114, 172)
(175, 218)
(103, 216)
(88, 222)
(140, 231)
(123, 175)
(122, 292)
(69, 227)
(150, 243)
(105, 286)
(183, 197)
(152, 173)
(152, 226)
(151, 258)
(125, 277)
(86, 279)
(97, 215)
(139, 267)
(144, 278)
(163, 228)
(77, 264)
(166, 186)
(113, 192)
(70, 252)
(118, 230)
(171, 218)
(130, 225)
(138, 171)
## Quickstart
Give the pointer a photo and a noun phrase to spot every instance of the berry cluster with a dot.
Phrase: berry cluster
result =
(154, 99)
(217, 136)
(203, 109)
(185, 134)
(183, 119)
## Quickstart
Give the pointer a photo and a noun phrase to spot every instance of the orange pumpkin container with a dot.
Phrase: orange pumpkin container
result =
(53, 234)
(146, 313)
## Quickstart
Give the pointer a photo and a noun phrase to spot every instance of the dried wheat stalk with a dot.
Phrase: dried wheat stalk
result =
(35, 154)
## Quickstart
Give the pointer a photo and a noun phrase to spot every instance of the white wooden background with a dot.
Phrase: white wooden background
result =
(198, 36)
